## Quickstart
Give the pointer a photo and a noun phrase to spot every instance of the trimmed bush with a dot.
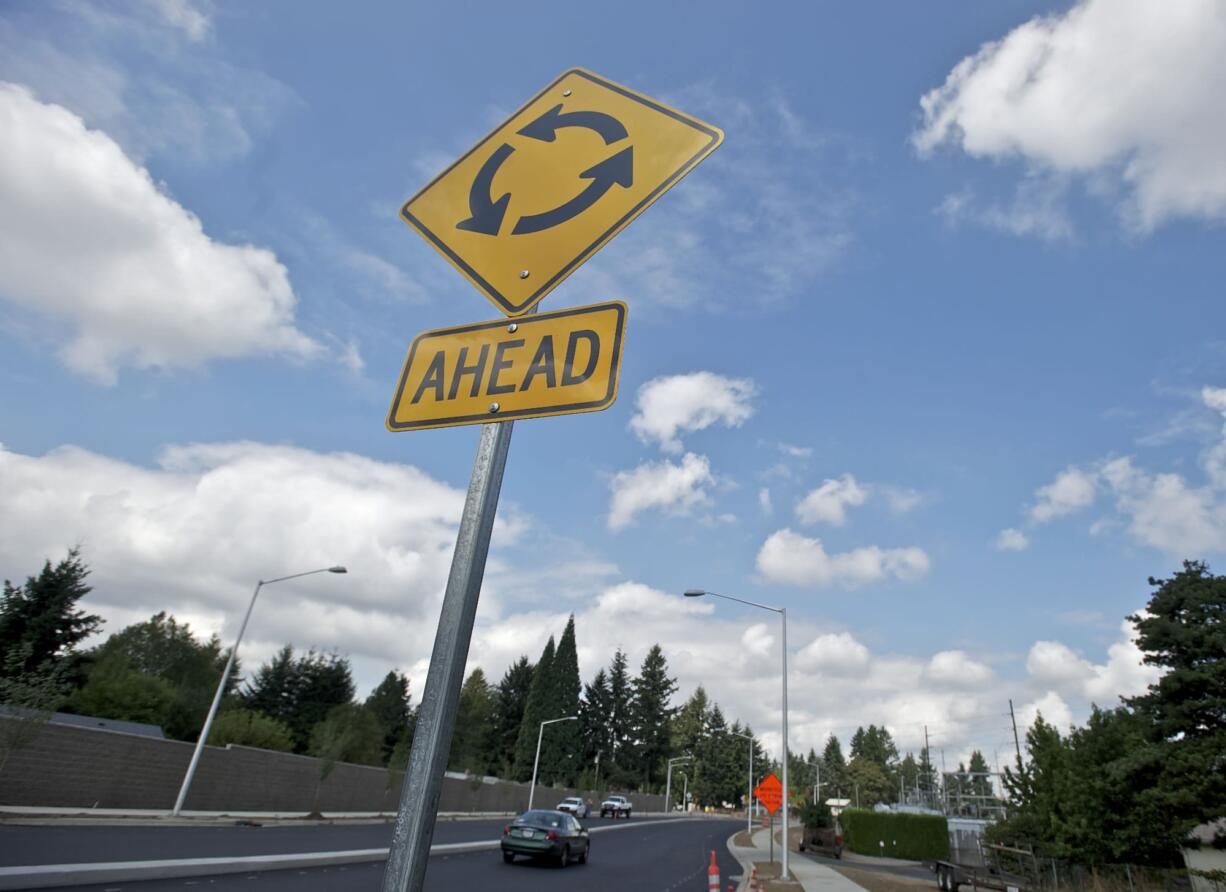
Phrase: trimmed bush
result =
(914, 837)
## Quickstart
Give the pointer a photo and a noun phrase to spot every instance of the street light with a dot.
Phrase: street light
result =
(668, 783)
(225, 676)
(537, 761)
(783, 616)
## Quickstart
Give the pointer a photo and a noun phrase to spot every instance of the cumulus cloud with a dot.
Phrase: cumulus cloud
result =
(89, 240)
(1072, 490)
(1160, 510)
(792, 559)
(834, 653)
(1056, 666)
(830, 501)
(1052, 707)
(1118, 91)
(194, 532)
(673, 405)
(664, 485)
(957, 669)
(1012, 540)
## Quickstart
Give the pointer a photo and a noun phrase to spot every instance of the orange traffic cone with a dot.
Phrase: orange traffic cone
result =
(713, 875)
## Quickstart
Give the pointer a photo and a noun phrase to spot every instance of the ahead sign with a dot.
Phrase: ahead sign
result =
(563, 175)
(551, 364)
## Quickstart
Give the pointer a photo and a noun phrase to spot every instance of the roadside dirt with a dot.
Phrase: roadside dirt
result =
(884, 882)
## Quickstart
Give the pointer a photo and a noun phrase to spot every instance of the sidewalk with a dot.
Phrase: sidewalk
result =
(811, 876)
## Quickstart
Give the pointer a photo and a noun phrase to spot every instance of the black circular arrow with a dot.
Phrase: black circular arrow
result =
(486, 213)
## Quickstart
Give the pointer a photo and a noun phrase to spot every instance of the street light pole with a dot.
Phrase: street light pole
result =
(668, 783)
(537, 761)
(783, 616)
(225, 677)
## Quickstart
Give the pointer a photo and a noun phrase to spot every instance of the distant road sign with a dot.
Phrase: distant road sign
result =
(534, 199)
(770, 793)
(551, 364)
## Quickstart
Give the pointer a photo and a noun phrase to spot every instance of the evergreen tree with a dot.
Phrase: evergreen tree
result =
(620, 712)
(510, 701)
(300, 692)
(535, 708)
(908, 778)
(392, 708)
(1183, 631)
(869, 782)
(834, 768)
(474, 727)
(40, 620)
(594, 719)
(653, 690)
(164, 648)
(561, 747)
(929, 788)
(692, 723)
(981, 781)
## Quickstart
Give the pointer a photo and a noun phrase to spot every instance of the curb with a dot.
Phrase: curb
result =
(45, 876)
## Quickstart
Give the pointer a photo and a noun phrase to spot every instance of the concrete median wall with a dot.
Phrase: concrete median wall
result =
(72, 767)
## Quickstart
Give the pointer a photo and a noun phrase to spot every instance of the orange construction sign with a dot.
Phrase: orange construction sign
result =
(770, 793)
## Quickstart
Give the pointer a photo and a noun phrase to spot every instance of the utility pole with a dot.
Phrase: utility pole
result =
(1016, 746)
(927, 773)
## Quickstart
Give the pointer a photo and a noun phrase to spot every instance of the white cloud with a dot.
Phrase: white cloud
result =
(792, 559)
(1056, 666)
(146, 74)
(900, 499)
(795, 451)
(676, 488)
(835, 654)
(188, 17)
(764, 501)
(192, 535)
(1122, 91)
(956, 668)
(1012, 540)
(1072, 490)
(673, 405)
(1052, 707)
(830, 501)
(88, 239)
(1036, 209)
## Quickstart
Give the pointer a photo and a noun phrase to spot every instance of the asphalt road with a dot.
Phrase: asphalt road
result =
(77, 844)
(662, 857)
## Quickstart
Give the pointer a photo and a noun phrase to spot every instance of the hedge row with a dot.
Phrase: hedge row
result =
(914, 837)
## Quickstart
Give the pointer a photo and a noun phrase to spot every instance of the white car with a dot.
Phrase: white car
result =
(575, 806)
(616, 807)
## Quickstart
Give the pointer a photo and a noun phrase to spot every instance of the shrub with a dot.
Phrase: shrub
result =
(915, 837)
(247, 728)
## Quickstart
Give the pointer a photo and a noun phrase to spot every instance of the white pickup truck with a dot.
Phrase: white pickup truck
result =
(616, 807)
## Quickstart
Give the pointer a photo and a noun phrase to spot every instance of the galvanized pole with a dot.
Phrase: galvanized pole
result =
(783, 616)
(540, 735)
(749, 801)
(423, 781)
(208, 721)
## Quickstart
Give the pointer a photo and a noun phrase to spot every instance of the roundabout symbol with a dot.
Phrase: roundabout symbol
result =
(486, 214)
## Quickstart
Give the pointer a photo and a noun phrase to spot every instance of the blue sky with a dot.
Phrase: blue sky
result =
(929, 351)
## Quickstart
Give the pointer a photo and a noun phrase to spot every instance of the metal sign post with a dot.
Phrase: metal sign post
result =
(423, 781)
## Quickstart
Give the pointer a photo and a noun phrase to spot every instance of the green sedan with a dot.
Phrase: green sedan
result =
(546, 834)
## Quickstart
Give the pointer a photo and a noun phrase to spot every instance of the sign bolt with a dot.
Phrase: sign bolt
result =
(523, 274)
(566, 92)
(513, 327)
(494, 407)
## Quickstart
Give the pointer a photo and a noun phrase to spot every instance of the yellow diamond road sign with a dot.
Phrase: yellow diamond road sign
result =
(537, 197)
(549, 364)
